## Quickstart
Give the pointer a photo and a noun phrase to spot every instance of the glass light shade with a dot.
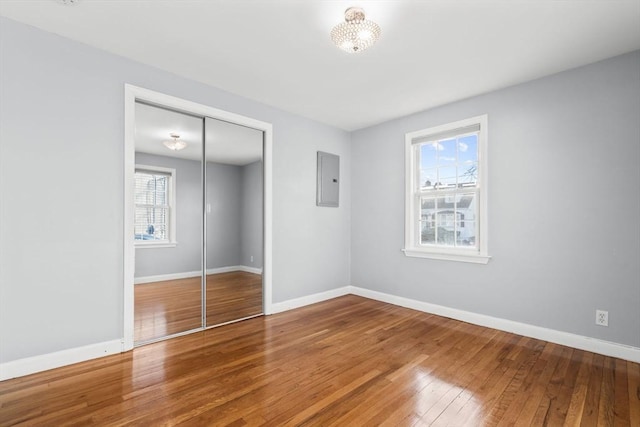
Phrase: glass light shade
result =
(356, 33)
(175, 144)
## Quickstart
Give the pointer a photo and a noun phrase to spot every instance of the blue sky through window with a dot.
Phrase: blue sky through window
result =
(449, 162)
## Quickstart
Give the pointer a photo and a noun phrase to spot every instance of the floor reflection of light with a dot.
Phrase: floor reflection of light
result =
(148, 367)
(438, 401)
(160, 322)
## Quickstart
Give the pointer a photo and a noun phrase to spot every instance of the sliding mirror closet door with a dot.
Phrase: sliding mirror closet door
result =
(168, 223)
(234, 221)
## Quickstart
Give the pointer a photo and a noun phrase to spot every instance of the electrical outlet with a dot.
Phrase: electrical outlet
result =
(602, 318)
(251, 258)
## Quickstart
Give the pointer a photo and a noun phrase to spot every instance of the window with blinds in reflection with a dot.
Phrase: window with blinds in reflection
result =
(152, 204)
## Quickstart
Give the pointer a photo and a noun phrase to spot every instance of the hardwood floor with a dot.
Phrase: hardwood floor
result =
(344, 362)
(232, 296)
(172, 306)
(167, 307)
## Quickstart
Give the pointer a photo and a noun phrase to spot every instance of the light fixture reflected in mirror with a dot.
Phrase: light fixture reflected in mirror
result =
(175, 144)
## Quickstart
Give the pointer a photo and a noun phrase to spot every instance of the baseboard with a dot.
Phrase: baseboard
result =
(163, 277)
(44, 362)
(31, 365)
(188, 274)
(279, 307)
(248, 269)
(232, 268)
(227, 269)
(580, 342)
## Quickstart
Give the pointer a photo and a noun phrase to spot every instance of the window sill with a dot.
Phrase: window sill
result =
(154, 245)
(460, 257)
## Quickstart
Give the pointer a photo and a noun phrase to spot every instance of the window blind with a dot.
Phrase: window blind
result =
(152, 210)
(447, 134)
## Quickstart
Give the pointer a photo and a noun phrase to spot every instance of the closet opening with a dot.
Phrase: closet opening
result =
(197, 217)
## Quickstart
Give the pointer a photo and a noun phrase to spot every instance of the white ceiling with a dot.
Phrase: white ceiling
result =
(278, 51)
(227, 143)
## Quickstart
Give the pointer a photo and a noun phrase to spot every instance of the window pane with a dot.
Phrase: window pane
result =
(428, 155)
(160, 198)
(468, 160)
(466, 219)
(427, 221)
(161, 190)
(448, 220)
(437, 221)
(466, 205)
(151, 223)
(447, 177)
(446, 151)
(143, 188)
(467, 175)
(467, 235)
(445, 224)
(428, 178)
(427, 235)
(468, 149)
(152, 211)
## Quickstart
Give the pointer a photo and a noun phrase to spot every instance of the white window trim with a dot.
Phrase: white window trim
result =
(412, 248)
(171, 243)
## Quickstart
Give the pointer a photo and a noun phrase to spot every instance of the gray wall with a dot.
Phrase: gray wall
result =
(224, 222)
(563, 226)
(62, 123)
(564, 204)
(186, 256)
(251, 210)
(234, 224)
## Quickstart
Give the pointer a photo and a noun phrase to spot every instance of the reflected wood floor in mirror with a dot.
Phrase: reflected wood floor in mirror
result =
(232, 296)
(349, 361)
(172, 306)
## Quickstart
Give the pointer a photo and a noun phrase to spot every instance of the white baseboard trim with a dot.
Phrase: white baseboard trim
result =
(580, 342)
(31, 365)
(279, 307)
(232, 268)
(219, 270)
(248, 269)
(163, 277)
(44, 362)
(188, 274)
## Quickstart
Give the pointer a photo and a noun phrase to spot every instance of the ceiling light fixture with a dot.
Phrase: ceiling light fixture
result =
(356, 33)
(175, 144)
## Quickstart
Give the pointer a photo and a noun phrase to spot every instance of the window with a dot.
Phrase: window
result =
(154, 192)
(446, 194)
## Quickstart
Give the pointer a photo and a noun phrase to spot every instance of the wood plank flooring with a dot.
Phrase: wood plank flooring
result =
(349, 361)
(232, 296)
(172, 306)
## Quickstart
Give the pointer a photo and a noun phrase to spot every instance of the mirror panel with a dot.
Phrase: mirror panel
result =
(168, 224)
(234, 221)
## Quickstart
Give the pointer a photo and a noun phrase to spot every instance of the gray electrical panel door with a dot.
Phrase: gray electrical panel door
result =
(328, 179)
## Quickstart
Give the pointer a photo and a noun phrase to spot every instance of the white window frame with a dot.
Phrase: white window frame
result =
(171, 199)
(413, 206)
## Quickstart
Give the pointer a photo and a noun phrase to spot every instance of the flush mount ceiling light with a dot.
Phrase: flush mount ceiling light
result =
(175, 144)
(356, 33)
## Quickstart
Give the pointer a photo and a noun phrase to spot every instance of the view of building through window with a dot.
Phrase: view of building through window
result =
(448, 176)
